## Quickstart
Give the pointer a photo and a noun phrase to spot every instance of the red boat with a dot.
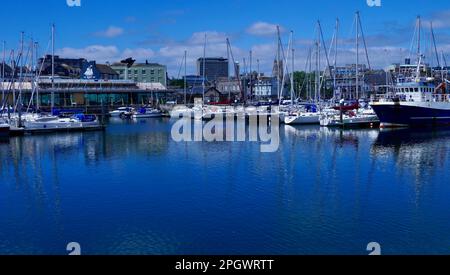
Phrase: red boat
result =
(353, 106)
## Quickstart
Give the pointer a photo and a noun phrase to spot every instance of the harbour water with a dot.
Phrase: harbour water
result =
(133, 190)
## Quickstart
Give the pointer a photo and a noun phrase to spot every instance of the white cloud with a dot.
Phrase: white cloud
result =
(263, 29)
(110, 32)
(441, 20)
(138, 54)
(95, 52)
(212, 37)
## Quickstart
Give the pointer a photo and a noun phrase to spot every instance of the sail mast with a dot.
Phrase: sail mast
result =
(3, 73)
(278, 71)
(53, 68)
(292, 77)
(434, 44)
(38, 74)
(185, 81)
(357, 56)
(335, 57)
(419, 24)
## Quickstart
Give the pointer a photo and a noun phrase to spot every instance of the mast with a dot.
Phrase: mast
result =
(419, 25)
(32, 70)
(357, 56)
(38, 72)
(310, 56)
(258, 75)
(53, 68)
(3, 72)
(335, 57)
(278, 64)
(21, 64)
(434, 44)
(185, 73)
(316, 84)
(251, 74)
(235, 64)
(292, 77)
(204, 69)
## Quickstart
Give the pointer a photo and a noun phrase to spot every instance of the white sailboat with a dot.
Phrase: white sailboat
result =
(311, 115)
(52, 123)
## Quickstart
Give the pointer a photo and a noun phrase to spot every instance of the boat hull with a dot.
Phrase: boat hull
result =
(148, 116)
(4, 130)
(302, 120)
(410, 114)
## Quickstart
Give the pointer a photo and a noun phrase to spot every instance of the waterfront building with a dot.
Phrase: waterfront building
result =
(408, 70)
(344, 81)
(7, 70)
(64, 67)
(229, 86)
(92, 70)
(215, 67)
(195, 80)
(265, 87)
(142, 72)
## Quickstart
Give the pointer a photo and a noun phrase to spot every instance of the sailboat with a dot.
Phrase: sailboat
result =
(308, 114)
(351, 115)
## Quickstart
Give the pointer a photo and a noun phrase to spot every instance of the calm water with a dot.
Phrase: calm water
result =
(132, 190)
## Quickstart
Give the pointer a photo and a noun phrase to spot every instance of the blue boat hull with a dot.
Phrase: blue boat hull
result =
(399, 115)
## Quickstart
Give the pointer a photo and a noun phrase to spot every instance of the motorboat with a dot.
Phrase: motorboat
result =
(146, 112)
(122, 111)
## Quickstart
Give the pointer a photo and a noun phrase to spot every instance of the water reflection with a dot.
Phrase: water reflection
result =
(133, 189)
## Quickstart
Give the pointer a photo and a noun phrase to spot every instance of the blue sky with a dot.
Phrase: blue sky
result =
(160, 31)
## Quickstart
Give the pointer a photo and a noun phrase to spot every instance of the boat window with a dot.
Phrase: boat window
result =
(411, 90)
(416, 89)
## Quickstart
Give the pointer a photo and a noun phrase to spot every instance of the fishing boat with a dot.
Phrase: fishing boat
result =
(415, 104)
(416, 100)
(146, 112)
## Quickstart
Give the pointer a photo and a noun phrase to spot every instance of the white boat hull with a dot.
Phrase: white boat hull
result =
(302, 119)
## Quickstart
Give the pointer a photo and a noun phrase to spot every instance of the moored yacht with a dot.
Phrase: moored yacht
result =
(52, 123)
(122, 111)
(146, 112)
